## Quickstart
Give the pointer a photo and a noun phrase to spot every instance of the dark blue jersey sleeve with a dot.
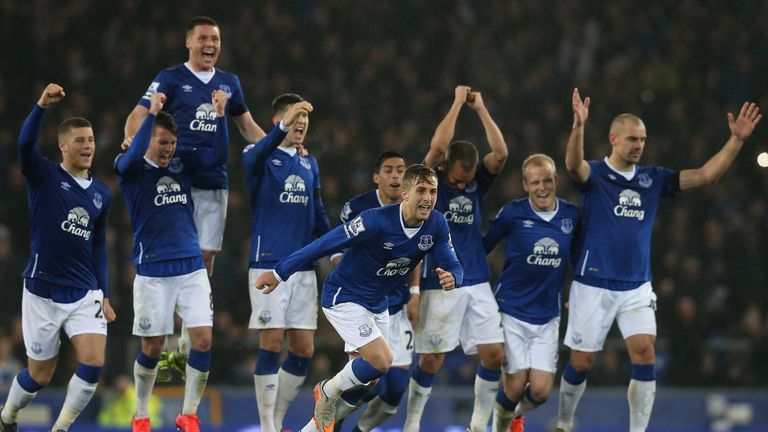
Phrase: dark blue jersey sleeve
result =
(445, 255)
(497, 230)
(138, 148)
(337, 239)
(254, 155)
(29, 153)
(322, 224)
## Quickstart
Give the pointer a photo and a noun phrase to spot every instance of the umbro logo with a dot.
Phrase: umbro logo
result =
(388, 246)
(187, 88)
(277, 162)
(528, 223)
(65, 185)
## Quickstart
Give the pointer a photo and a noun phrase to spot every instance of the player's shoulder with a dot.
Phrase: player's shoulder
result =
(567, 205)
(172, 71)
(365, 200)
(101, 186)
(227, 77)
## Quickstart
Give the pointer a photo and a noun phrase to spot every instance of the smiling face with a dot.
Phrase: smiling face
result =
(419, 194)
(389, 179)
(298, 131)
(204, 45)
(77, 146)
(540, 181)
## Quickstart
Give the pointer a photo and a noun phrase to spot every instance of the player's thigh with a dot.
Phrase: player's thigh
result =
(591, 312)
(267, 310)
(302, 304)
(194, 303)
(86, 327)
(637, 311)
(401, 338)
(41, 323)
(543, 346)
(516, 345)
(356, 325)
(482, 319)
(210, 215)
(154, 300)
(441, 315)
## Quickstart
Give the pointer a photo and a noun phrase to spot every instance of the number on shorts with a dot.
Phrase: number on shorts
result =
(100, 312)
(409, 345)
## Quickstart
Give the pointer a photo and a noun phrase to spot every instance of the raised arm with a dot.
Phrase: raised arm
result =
(495, 160)
(248, 127)
(715, 167)
(29, 153)
(577, 167)
(132, 124)
(254, 155)
(445, 130)
(143, 136)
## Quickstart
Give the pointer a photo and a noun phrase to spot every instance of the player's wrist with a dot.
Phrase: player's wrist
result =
(277, 276)
(414, 289)
(283, 127)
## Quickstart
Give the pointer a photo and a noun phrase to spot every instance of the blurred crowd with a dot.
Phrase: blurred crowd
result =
(381, 76)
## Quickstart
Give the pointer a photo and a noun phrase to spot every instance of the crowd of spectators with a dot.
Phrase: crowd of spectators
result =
(381, 76)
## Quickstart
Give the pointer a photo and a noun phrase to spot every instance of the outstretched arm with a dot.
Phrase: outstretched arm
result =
(577, 167)
(710, 172)
(445, 130)
(495, 160)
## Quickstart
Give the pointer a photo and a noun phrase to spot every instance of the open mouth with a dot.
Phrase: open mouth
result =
(425, 208)
(394, 185)
(209, 54)
(299, 130)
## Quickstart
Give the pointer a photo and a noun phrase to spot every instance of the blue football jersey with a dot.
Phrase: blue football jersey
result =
(160, 204)
(615, 248)
(284, 198)
(536, 254)
(189, 101)
(398, 296)
(67, 224)
(463, 211)
(379, 255)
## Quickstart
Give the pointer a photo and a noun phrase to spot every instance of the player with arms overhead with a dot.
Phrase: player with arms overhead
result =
(469, 315)
(612, 280)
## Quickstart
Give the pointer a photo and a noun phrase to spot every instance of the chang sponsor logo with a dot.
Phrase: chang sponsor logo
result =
(77, 223)
(396, 267)
(205, 118)
(629, 201)
(295, 191)
(460, 211)
(543, 251)
(169, 192)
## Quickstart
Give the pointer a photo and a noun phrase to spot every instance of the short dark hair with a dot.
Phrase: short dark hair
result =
(417, 173)
(389, 154)
(200, 20)
(71, 123)
(165, 121)
(281, 103)
(463, 152)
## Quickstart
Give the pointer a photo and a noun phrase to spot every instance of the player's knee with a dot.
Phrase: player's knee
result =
(381, 360)
(202, 343)
(493, 358)
(540, 393)
(306, 351)
(41, 376)
(431, 363)
(582, 361)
